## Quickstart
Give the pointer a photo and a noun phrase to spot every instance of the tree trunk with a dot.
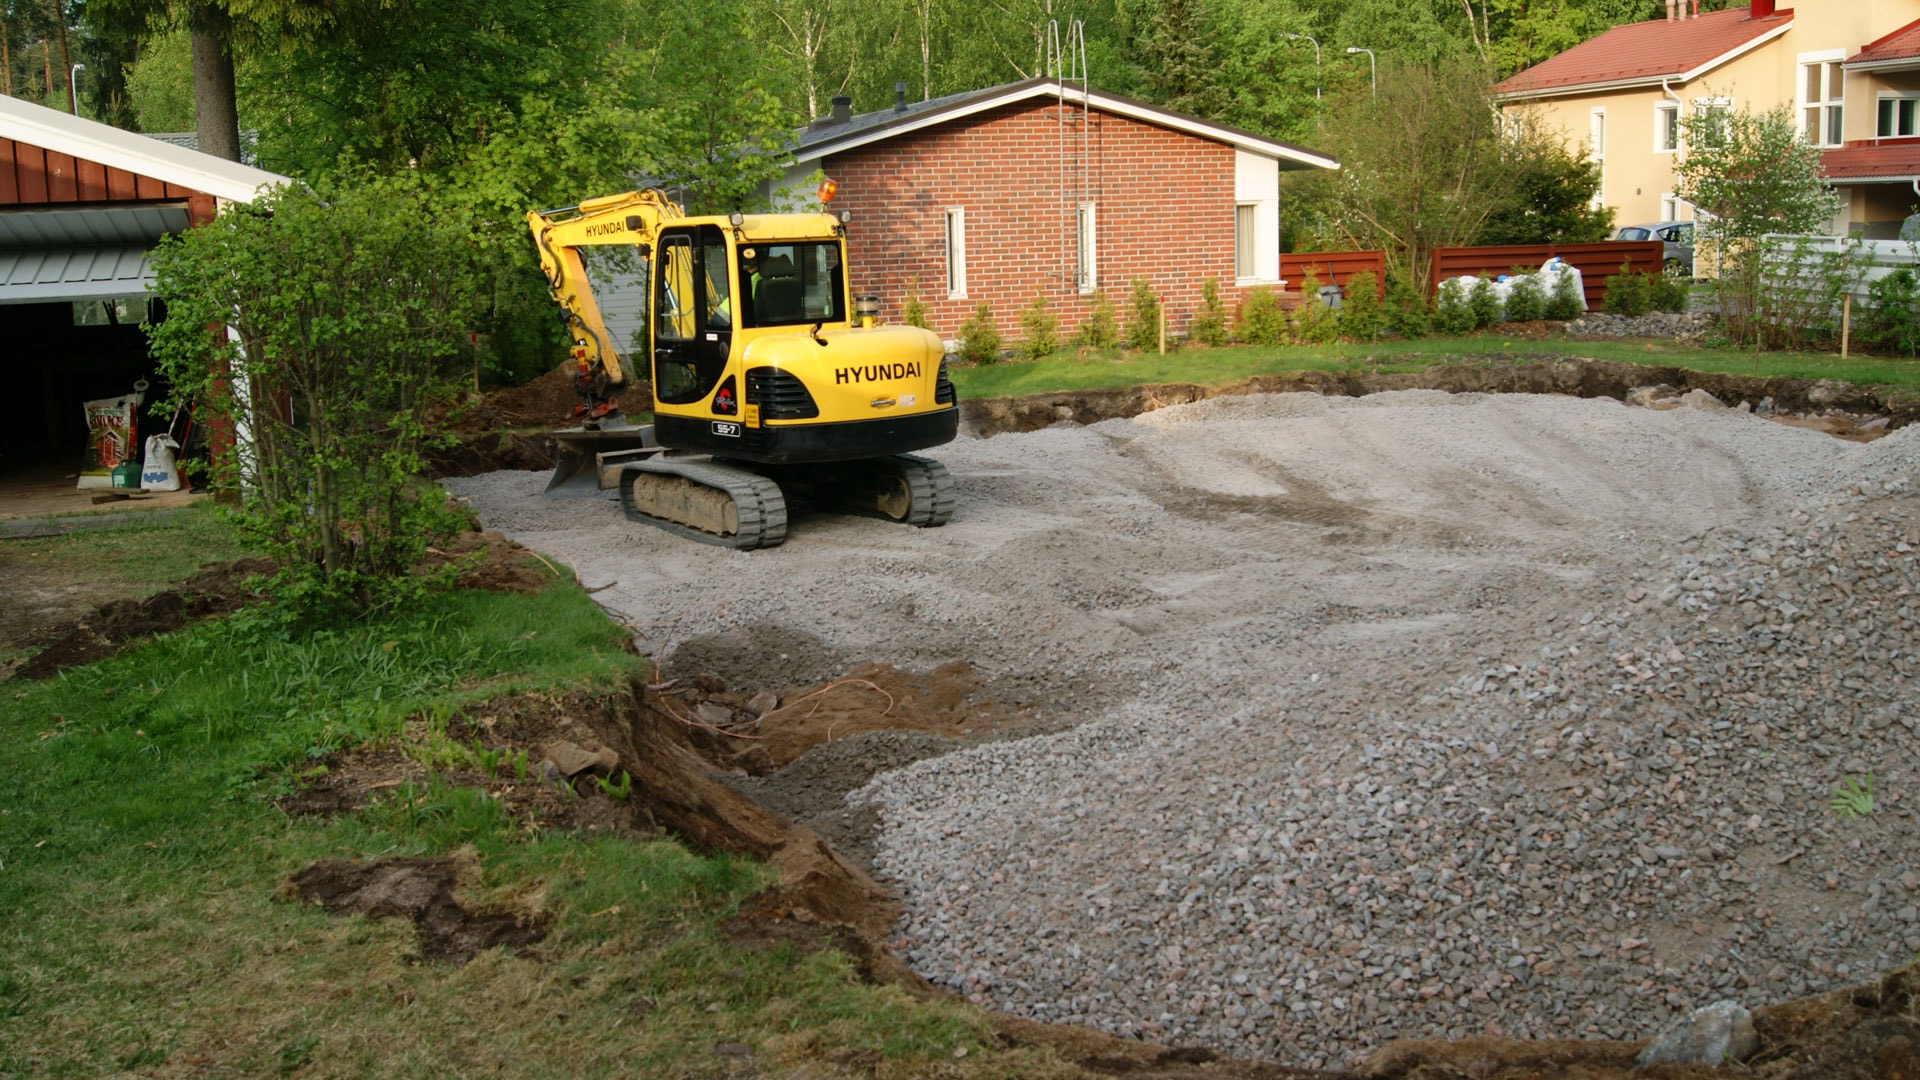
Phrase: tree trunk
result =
(216, 118)
(59, 10)
(6, 63)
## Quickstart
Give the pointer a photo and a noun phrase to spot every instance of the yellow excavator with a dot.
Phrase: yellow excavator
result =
(765, 380)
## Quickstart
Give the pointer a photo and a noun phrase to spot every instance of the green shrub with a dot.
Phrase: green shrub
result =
(1407, 311)
(1484, 304)
(1526, 297)
(913, 310)
(1628, 293)
(1452, 314)
(1143, 317)
(1313, 321)
(1361, 316)
(1099, 331)
(1039, 330)
(1893, 313)
(1668, 292)
(1209, 324)
(1261, 321)
(352, 314)
(1565, 302)
(979, 341)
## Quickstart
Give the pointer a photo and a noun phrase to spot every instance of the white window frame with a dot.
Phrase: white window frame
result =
(1662, 110)
(955, 243)
(1670, 206)
(1896, 96)
(1086, 258)
(1597, 151)
(1704, 105)
(1830, 123)
(1250, 256)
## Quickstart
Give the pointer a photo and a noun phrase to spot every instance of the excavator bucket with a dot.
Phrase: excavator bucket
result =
(589, 459)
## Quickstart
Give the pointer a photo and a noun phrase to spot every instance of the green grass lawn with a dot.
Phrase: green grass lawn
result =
(141, 850)
(1223, 366)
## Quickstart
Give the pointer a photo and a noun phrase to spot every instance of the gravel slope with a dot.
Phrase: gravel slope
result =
(1410, 714)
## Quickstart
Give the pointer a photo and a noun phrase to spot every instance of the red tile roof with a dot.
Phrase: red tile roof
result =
(1890, 159)
(1902, 44)
(1646, 51)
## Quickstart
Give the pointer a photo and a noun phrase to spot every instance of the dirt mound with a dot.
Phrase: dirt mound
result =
(473, 453)
(1540, 373)
(490, 562)
(113, 626)
(421, 890)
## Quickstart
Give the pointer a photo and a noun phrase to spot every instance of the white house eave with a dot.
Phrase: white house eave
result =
(1905, 63)
(1103, 102)
(1641, 82)
(50, 129)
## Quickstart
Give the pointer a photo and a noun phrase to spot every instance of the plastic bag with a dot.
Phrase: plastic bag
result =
(110, 435)
(161, 472)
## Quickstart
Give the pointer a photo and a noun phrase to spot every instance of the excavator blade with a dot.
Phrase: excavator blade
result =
(589, 459)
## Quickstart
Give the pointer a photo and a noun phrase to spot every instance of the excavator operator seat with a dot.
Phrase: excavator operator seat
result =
(778, 298)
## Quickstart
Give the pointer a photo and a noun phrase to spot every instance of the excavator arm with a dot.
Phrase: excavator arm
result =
(631, 219)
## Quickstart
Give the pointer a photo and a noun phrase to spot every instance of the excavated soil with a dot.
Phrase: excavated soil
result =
(116, 624)
(423, 891)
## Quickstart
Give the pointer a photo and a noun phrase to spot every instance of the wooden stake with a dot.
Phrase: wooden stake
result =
(1846, 322)
(1163, 328)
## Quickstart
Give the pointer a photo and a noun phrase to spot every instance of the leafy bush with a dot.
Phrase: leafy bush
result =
(1313, 321)
(1526, 297)
(979, 342)
(352, 316)
(1668, 292)
(913, 310)
(1209, 324)
(1453, 314)
(1484, 304)
(1143, 317)
(1361, 316)
(1407, 312)
(1261, 321)
(1099, 331)
(1039, 329)
(1628, 293)
(1566, 301)
(1893, 315)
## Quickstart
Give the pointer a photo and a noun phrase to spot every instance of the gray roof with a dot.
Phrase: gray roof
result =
(828, 136)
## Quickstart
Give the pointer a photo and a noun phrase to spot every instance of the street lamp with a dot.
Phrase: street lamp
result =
(1373, 66)
(73, 87)
(1316, 60)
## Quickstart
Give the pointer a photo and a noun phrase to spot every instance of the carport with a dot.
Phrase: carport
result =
(82, 205)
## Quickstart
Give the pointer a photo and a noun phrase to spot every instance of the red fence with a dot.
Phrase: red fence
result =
(1334, 267)
(1596, 262)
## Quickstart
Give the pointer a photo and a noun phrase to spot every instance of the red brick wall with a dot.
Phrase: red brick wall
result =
(1163, 211)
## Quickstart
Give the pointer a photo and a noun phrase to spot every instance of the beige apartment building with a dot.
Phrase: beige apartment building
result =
(1849, 68)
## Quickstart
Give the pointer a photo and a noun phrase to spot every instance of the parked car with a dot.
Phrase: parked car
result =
(1676, 235)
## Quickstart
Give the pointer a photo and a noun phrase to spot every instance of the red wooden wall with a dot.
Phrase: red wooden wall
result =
(32, 176)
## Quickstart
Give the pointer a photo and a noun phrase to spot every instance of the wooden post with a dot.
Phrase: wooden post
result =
(1846, 322)
(1163, 328)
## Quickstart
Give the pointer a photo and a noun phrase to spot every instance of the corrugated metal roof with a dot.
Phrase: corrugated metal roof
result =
(94, 226)
(39, 275)
(1647, 51)
(54, 130)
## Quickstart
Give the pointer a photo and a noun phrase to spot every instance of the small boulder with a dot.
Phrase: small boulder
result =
(1710, 1035)
(710, 713)
(762, 703)
(1652, 397)
(1700, 399)
(570, 759)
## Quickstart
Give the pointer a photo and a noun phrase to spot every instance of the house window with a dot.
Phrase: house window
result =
(1669, 206)
(1710, 120)
(956, 253)
(1822, 98)
(1085, 275)
(1246, 263)
(1597, 153)
(1899, 117)
(1666, 127)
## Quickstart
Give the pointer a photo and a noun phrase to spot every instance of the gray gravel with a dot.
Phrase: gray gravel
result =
(1405, 715)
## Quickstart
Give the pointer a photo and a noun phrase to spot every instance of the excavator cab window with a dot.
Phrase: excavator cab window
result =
(693, 316)
(791, 284)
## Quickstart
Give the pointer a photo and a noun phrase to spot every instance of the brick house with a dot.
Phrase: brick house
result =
(1850, 70)
(1032, 188)
(81, 206)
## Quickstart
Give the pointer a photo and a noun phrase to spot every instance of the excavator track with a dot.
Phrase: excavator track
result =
(903, 487)
(713, 503)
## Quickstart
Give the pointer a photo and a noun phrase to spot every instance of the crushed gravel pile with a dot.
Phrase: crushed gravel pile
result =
(1397, 716)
